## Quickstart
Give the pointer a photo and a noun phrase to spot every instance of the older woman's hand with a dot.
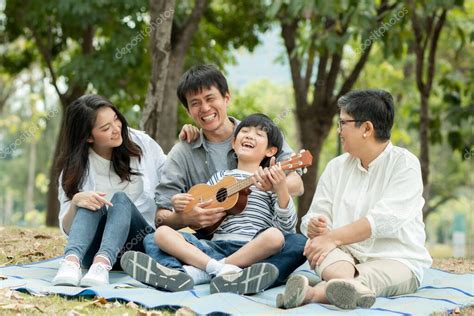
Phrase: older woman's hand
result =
(317, 226)
(317, 249)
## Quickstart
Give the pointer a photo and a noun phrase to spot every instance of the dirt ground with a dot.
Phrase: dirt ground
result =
(26, 245)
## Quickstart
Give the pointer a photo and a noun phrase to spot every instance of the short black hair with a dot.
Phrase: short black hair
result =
(372, 105)
(199, 77)
(274, 136)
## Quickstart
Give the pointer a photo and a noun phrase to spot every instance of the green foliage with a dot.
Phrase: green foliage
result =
(61, 30)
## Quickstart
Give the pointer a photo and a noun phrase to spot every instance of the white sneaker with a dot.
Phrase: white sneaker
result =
(228, 269)
(199, 276)
(97, 275)
(69, 274)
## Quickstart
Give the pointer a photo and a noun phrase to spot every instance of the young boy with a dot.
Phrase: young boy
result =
(241, 240)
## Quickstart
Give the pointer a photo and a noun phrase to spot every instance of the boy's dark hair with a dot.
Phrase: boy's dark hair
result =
(275, 138)
(199, 77)
(371, 105)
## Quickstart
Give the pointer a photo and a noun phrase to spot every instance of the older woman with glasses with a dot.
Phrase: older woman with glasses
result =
(365, 224)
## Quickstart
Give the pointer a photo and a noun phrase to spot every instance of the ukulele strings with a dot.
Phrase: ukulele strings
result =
(225, 193)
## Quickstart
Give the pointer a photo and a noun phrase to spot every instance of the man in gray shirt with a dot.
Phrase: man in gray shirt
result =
(204, 93)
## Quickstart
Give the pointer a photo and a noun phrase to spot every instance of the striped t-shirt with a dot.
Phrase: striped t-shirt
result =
(262, 212)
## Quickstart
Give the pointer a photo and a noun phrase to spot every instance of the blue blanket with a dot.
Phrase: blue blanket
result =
(440, 291)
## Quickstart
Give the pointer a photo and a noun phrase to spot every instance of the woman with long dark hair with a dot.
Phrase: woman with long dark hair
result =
(106, 189)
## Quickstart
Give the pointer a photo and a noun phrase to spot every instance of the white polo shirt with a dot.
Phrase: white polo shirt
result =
(388, 194)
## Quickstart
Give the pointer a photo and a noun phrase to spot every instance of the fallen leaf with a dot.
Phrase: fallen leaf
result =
(100, 300)
(40, 236)
(3, 277)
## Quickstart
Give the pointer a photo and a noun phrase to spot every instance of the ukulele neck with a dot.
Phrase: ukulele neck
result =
(240, 185)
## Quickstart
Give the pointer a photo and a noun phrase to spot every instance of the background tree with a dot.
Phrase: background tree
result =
(202, 32)
(160, 114)
(73, 41)
(427, 28)
(101, 47)
(316, 33)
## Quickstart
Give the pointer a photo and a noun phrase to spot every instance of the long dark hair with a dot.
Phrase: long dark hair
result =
(74, 157)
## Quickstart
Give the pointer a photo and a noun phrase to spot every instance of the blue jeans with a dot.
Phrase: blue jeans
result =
(287, 260)
(108, 232)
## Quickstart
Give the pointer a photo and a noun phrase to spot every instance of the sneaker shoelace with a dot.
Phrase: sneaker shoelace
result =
(69, 264)
(99, 267)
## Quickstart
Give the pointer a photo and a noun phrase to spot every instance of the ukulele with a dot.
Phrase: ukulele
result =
(232, 194)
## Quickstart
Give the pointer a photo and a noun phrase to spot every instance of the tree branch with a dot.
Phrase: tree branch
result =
(185, 35)
(430, 209)
(45, 53)
(352, 78)
(428, 29)
(419, 52)
(433, 47)
(288, 31)
(310, 64)
(320, 83)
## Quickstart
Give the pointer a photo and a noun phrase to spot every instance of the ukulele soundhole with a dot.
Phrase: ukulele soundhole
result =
(221, 195)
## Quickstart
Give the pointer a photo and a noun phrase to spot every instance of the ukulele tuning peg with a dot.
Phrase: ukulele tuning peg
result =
(305, 170)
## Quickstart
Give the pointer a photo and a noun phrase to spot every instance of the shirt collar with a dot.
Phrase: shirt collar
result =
(201, 140)
(377, 160)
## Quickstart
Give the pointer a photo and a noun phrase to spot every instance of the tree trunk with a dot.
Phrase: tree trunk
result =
(29, 198)
(52, 196)
(168, 120)
(160, 116)
(314, 129)
(424, 147)
(160, 47)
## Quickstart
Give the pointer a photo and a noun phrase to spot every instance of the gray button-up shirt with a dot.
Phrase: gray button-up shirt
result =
(188, 164)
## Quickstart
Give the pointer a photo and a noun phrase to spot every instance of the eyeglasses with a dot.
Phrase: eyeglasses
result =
(341, 123)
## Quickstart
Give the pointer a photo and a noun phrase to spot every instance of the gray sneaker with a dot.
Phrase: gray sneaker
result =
(250, 280)
(143, 268)
(294, 294)
(349, 294)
